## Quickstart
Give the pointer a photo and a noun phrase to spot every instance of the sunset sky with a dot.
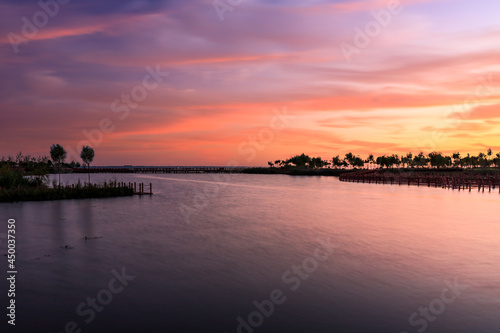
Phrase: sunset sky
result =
(425, 76)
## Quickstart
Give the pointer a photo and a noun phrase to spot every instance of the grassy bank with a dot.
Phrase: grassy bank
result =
(42, 193)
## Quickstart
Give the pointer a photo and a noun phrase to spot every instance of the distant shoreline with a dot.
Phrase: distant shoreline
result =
(297, 171)
(338, 172)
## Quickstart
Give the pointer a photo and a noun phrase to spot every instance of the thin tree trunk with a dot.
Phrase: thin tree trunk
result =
(88, 171)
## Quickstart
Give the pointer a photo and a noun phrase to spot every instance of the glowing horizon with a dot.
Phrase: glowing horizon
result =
(374, 76)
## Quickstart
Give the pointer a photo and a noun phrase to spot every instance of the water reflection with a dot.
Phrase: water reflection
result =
(397, 247)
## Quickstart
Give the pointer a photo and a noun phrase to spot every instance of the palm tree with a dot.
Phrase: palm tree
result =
(482, 160)
(467, 160)
(497, 160)
(409, 159)
(336, 161)
(370, 160)
(349, 158)
(456, 158)
(87, 156)
(420, 160)
(394, 160)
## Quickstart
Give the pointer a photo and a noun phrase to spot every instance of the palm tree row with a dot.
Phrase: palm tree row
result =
(421, 160)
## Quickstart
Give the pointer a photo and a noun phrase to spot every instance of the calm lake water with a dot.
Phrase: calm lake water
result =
(334, 257)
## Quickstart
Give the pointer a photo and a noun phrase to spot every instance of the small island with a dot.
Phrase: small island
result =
(26, 178)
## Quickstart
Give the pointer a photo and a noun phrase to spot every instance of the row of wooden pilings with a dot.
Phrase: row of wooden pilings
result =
(450, 182)
(141, 189)
(105, 185)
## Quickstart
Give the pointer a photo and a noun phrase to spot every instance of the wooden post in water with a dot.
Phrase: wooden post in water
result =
(150, 188)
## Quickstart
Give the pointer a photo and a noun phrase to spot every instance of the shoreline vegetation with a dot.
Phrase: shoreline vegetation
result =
(434, 169)
(26, 178)
(301, 171)
(432, 161)
(435, 164)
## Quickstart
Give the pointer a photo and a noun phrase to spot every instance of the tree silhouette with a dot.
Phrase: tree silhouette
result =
(432, 160)
(58, 155)
(456, 158)
(87, 156)
(358, 162)
(420, 160)
(370, 160)
(300, 160)
(349, 158)
(497, 160)
(337, 162)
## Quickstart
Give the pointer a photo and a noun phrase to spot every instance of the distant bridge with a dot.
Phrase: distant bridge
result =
(158, 169)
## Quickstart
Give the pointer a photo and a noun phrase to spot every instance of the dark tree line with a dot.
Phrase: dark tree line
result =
(421, 160)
